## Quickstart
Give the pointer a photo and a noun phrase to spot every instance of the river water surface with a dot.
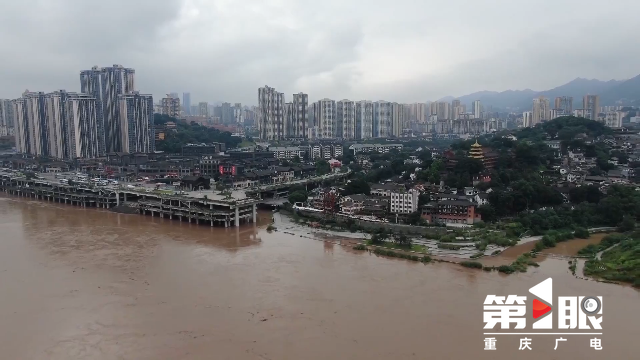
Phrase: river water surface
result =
(87, 284)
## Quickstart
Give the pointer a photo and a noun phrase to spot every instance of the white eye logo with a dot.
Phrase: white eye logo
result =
(590, 305)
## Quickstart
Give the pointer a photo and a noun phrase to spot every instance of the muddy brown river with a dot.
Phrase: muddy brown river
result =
(88, 284)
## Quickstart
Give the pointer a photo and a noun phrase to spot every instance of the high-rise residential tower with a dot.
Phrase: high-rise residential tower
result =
(170, 106)
(82, 126)
(271, 124)
(477, 109)
(382, 119)
(591, 105)
(6, 118)
(300, 115)
(364, 119)
(186, 103)
(57, 131)
(106, 84)
(203, 109)
(564, 105)
(325, 116)
(136, 114)
(346, 119)
(540, 111)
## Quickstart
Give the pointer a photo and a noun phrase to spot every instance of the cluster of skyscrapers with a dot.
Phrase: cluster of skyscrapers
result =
(107, 116)
(346, 119)
(563, 106)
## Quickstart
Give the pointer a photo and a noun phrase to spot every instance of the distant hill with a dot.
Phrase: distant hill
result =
(625, 93)
(521, 100)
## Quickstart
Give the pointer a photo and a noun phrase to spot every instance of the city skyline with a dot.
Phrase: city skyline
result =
(375, 52)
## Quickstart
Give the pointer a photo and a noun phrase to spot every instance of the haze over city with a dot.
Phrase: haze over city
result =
(400, 51)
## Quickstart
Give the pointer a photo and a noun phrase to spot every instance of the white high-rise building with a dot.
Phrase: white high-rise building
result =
(6, 118)
(271, 124)
(57, 131)
(238, 113)
(540, 110)
(325, 117)
(31, 124)
(364, 119)
(382, 119)
(186, 103)
(300, 115)
(170, 106)
(203, 109)
(106, 84)
(398, 119)
(346, 114)
(477, 109)
(527, 119)
(136, 114)
(82, 126)
(613, 119)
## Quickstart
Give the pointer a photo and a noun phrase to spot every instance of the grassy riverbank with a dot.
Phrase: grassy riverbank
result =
(621, 262)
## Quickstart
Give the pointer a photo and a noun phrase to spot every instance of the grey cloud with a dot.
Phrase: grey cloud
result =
(223, 50)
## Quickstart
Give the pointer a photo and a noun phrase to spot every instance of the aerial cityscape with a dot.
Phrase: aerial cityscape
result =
(191, 179)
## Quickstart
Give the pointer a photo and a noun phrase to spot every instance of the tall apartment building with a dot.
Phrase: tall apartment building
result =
(612, 119)
(591, 103)
(363, 119)
(382, 119)
(186, 103)
(325, 117)
(477, 109)
(170, 106)
(444, 111)
(31, 124)
(419, 112)
(455, 104)
(106, 84)
(238, 113)
(346, 119)
(203, 109)
(271, 124)
(398, 119)
(299, 116)
(6, 118)
(540, 110)
(136, 114)
(82, 126)
(57, 131)
(564, 105)
(527, 119)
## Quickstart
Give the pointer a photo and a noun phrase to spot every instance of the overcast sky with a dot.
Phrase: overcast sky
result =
(400, 50)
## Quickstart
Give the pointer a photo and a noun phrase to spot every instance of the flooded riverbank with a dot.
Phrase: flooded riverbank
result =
(89, 284)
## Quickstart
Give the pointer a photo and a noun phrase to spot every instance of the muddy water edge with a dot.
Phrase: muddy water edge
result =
(89, 284)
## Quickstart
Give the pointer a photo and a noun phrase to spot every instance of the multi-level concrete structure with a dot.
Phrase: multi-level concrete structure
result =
(527, 119)
(591, 103)
(444, 112)
(346, 119)
(404, 202)
(31, 124)
(271, 124)
(136, 114)
(170, 106)
(106, 84)
(363, 119)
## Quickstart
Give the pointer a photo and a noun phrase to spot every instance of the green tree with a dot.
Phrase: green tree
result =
(298, 196)
(402, 240)
(322, 167)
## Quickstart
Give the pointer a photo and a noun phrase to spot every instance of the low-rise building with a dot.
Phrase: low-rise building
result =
(451, 212)
(287, 152)
(385, 190)
(404, 202)
(367, 148)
